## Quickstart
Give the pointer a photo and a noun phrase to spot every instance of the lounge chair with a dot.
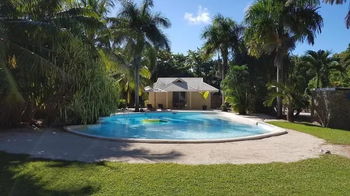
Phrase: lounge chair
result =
(160, 106)
(150, 107)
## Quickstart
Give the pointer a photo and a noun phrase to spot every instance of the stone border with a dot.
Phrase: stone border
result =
(275, 131)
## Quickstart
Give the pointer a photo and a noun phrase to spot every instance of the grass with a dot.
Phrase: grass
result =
(328, 175)
(20, 175)
(335, 136)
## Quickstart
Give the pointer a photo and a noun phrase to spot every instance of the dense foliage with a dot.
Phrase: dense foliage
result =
(274, 27)
(49, 55)
(194, 64)
(237, 88)
(68, 61)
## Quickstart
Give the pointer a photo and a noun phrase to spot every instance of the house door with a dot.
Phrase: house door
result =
(179, 100)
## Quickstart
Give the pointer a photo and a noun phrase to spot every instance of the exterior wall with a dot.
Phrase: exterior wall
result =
(150, 99)
(197, 101)
(170, 100)
(156, 98)
(332, 108)
(194, 100)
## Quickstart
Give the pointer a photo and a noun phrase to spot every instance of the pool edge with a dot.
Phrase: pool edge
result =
(276, 131)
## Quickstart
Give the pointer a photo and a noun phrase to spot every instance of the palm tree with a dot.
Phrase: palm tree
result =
(124, 74)
(274, 27)
(32, 30)
(138, 28)
(43, 38)
(289, 94)
(22, 24)
(321, 62)
(222, 36)
(101, 8)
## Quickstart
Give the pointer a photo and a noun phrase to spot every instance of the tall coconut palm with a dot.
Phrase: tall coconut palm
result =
(222, 36)
(98, 36)
(275, 26)
(137, 28)
(321, 62)
(125, 75)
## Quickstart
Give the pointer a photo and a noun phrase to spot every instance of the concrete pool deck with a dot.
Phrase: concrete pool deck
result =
(58, 144)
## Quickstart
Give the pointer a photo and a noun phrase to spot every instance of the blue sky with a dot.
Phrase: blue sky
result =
(189, 18)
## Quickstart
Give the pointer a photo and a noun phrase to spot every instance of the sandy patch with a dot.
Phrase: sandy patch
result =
(56, 144)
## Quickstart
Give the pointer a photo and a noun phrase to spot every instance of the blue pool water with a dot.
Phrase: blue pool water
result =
(170, 126)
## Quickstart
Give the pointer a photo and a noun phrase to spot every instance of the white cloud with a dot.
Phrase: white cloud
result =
(202, 17)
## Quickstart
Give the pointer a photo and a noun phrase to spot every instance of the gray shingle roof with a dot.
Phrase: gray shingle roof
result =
(180, 84)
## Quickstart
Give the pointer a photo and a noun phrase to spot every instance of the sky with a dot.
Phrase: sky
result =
(190, 17)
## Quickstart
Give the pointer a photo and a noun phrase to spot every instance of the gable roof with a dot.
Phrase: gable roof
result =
(180, 85)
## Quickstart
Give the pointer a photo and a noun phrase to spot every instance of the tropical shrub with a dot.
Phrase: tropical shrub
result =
(291, 97)
(11, 101)
(237, 88)
(342, 79)
(92, 92)
(50, 67)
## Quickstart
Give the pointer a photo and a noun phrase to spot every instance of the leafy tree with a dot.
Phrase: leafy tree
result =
(56, 67)
(170, 65)
(237, 88)
(274, 27)
(138, 28)
(203, 67)
(194, 64)
(261, 71)
(342, 78)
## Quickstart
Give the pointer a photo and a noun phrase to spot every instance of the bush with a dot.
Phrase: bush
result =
(237, 88)
(225, 107)
(74, 86)
(122, 104)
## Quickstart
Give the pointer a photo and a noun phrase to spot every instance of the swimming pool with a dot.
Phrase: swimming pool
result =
(176, 127)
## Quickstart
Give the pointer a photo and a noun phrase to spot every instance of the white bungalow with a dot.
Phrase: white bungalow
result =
(180, 93)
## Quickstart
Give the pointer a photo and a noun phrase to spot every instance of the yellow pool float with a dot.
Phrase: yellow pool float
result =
(153, 120)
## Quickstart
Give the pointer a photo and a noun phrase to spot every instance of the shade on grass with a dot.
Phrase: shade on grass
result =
(335, 136)
(20, 175)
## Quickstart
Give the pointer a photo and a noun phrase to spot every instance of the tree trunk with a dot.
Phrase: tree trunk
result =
(279, 100)
(290, 114)
(137, 82)
(222, 79)
(279, 64)
(223, 69)
(312, 107)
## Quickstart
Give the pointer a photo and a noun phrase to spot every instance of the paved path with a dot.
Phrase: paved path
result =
(57, 144)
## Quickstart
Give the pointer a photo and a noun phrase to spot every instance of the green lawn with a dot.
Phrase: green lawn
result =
(20, 175)
(335, 136)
